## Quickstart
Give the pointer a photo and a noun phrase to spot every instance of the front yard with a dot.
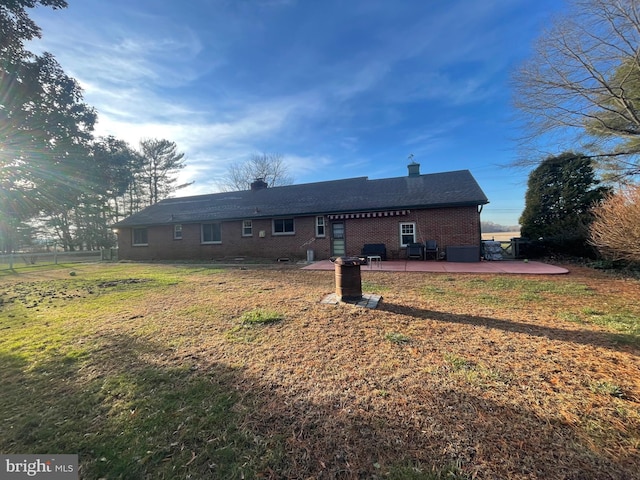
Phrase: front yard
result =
(165, 371)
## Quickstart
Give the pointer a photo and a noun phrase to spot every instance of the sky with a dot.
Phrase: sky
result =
(339, 89)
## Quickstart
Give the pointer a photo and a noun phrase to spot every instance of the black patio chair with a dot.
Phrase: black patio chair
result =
(415, 250)
(431, 248)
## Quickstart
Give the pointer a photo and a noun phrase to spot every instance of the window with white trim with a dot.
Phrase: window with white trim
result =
(140, 237)
(320, 231)
(177, 232)
(407, 233)
(283, 226)
(247, 228)
(210, 233)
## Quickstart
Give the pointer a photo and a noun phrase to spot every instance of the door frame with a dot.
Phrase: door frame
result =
(333, 238)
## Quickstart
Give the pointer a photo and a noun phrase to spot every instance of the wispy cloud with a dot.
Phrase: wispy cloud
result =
(157, 51)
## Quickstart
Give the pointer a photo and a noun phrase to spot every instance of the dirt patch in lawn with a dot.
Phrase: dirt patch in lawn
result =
(502, 377)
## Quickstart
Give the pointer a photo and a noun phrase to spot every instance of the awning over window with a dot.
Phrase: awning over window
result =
(390, 213)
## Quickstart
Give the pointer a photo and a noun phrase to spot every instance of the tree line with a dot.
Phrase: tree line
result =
(57, 180)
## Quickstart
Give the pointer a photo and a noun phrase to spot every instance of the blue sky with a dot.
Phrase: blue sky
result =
(340, 89)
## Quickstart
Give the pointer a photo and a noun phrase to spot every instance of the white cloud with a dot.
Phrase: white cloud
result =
(210, 145)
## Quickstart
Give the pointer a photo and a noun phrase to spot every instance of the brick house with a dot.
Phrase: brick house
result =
(330, 218)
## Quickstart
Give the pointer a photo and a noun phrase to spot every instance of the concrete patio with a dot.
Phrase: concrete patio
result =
(500, 266)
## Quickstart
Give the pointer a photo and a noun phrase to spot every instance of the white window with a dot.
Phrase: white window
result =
(140, 237)
(320, 227)
(211, 233)
(407, 233)
(247, 228)
(283, 226)
(177, 232)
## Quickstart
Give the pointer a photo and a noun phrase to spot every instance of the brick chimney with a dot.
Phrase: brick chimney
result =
(414, 169)
(259, 184)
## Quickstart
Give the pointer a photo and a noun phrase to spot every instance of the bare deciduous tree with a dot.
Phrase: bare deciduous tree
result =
(583, 82)
(269, 167)
(615, 231)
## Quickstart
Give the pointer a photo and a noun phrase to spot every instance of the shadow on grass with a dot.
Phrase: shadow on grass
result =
(124, 414)
(616, 341)
(133, 409)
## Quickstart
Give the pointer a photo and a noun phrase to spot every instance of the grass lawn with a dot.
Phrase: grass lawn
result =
(167, 371)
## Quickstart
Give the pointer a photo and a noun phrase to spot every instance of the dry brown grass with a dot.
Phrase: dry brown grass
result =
(500, 236)
(450, 369)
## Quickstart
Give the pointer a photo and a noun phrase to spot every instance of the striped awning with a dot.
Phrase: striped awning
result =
(388, 213)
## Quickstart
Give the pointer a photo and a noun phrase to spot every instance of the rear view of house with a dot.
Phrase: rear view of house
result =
(332, 218)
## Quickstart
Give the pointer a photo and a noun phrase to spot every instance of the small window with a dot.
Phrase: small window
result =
(320, 227)
(407, 233)
(140, 237)
(247, 228)
(283, 226)
(211, 233)
(177, 232)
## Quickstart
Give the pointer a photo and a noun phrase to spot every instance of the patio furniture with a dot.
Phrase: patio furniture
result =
(374, 249)
(415, 250)
(463, 253)
(431, 248)
(374, 258)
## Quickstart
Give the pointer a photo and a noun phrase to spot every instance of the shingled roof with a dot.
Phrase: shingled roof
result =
(448, 189)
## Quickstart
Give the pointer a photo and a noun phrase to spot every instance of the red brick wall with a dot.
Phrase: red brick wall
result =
(448, 226)
(162, 246)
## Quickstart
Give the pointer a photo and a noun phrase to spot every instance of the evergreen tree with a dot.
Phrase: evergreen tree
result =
(45, 126)
(119, 167)
(160, 163)
(52, 171)
(560, 196)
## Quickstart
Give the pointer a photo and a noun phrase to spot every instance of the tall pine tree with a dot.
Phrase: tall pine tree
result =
(560, 195)
(160, 163)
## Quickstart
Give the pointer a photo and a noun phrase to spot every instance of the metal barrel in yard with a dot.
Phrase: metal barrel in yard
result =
(348, 278)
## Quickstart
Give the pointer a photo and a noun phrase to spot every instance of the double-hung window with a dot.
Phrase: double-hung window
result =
(177, 232)
(320, 231)
(140, 237)
(211, 233)
(283, 226)
(407, 233)
(247, 228)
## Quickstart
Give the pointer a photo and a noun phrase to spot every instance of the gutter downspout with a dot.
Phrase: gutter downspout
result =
(480, 231)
